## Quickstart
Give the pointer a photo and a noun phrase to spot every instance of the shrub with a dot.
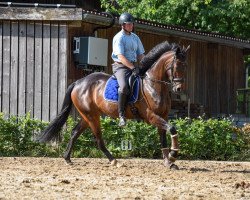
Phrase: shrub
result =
(143, 137)
(17, 136)
(210, 139)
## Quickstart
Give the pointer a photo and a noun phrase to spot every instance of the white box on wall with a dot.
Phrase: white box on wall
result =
(91, 51)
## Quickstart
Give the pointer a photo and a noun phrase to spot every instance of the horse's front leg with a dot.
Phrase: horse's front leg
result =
(164, 126)
(167, 157)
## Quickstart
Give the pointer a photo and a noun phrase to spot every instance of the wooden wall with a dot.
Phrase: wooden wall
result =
(214, 71)
(36, 65)
(33, 67)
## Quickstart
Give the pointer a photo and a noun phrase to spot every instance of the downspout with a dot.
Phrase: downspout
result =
(105, 27)
(246, 75)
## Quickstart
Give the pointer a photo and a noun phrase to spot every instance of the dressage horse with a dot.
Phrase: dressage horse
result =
(162, 71)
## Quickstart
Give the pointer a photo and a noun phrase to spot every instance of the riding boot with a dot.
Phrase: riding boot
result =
(122, 101)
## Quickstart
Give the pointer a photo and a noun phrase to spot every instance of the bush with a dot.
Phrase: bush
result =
(17, 137)
(143, 137)
(210, 139)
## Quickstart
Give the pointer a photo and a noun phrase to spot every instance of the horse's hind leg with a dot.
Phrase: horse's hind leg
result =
(96, 128)
(103, 148)
(78, 129)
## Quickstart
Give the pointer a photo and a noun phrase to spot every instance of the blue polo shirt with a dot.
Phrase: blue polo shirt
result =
(128, 45)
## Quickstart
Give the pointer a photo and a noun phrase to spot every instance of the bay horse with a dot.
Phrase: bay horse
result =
(162, 67)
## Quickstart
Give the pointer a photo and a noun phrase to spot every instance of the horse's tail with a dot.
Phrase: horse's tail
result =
(51, 133)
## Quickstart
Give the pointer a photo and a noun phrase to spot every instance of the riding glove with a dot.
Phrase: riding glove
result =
(136, 71)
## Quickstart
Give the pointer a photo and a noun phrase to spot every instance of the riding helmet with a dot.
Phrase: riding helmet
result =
(126, 18)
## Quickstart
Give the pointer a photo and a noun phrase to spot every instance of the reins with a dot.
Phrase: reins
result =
(169, 82)
(172, 80)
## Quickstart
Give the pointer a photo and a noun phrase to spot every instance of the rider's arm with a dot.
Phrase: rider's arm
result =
(125, 61)
(139, 57)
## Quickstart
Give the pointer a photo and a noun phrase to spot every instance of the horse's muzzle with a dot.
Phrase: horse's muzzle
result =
(178, 85)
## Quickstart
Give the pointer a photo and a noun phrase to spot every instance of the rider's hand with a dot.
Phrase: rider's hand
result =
(136, 71)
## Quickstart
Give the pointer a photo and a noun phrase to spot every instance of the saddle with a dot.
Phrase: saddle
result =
(111, 89)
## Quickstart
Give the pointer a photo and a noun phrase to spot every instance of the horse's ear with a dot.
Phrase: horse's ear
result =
(178, 50)
(187, 48)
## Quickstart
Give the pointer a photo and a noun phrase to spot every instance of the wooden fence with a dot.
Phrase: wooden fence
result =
(33, 67)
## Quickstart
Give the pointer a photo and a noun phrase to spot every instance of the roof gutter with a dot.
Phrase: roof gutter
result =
(172, 30)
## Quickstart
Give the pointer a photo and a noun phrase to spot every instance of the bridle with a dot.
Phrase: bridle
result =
(173, 81)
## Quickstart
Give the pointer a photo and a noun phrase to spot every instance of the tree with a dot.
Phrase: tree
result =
(229, 17)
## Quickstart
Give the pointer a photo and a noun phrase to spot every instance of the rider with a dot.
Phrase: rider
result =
(127, 50)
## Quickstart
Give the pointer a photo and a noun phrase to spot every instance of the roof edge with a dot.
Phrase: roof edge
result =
(99, 18)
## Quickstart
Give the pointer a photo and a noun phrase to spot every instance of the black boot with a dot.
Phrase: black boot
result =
(122, 101)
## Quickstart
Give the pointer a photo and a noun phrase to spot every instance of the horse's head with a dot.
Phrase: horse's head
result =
(176, 68)
(166, 63)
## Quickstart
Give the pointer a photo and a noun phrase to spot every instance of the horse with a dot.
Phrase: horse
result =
(162, 71)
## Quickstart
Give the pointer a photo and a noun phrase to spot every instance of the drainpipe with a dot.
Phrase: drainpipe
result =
(112, 22)
(246, 74)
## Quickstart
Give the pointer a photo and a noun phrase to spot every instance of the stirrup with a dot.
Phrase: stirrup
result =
(122, 121)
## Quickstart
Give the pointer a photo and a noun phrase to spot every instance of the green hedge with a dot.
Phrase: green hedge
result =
(210, 139)
(17, 137)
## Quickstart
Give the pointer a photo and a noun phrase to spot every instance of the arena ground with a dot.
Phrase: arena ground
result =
(51, 178)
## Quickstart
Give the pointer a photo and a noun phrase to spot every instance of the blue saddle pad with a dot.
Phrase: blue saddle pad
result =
(111, 91)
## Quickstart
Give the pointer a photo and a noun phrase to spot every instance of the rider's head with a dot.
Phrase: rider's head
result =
(127, 22)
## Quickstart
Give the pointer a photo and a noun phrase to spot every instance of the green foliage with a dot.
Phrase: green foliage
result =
(17, 136)
(210, 139)
(143, 137)
(230, 17)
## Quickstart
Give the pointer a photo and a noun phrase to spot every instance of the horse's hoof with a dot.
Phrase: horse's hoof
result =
(68, 162)
(120, 165)
(172, 159)
(170, 165)
(174, 167)
(172, 155)
(114, 162)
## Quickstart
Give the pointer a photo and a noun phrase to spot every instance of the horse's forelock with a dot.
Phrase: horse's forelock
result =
(181, 53)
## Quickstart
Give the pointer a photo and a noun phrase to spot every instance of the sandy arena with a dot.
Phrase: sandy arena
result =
(51, 178)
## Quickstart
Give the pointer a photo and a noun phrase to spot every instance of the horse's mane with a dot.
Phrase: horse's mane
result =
(155, 53)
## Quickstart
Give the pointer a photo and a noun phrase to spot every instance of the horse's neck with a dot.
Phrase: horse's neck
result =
(155, 87)
(157, 79)
(157, 72)
(156, 83)
(156, 94)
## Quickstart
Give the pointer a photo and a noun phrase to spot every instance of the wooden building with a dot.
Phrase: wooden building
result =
(37, 64)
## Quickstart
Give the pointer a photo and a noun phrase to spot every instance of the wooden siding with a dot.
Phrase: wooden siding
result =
(33, 68)
(214, 71)
(34, 71)
(41, 14)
